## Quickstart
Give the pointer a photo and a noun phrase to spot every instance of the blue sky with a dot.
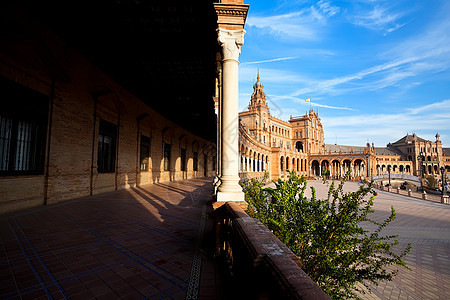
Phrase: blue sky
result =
(374, 70)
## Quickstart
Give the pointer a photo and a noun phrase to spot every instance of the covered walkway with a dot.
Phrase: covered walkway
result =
(135, 244)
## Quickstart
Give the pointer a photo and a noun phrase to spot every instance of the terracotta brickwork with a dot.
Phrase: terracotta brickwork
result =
(79, 97)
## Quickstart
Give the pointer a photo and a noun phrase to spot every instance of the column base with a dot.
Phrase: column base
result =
(230, 196)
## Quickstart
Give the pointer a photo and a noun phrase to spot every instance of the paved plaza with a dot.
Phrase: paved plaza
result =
(145, 243)
(424, 224)
(140, 243)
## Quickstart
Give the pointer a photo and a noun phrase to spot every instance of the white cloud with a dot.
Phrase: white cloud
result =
(322, 10)
(302, 24)
(383, 128)
(274, 77)
(291, 25)
(379, 19)
(267, 60)
(442, 106)
(389, 73)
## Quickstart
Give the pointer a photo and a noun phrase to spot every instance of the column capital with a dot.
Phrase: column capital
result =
(231, 42)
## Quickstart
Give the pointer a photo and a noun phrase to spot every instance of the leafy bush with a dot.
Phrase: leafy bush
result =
(327, 236)
(431, 182)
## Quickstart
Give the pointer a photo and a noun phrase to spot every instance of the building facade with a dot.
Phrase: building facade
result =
(104, 98)
(273, 145)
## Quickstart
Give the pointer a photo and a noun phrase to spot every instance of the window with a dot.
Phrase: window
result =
(107, 147)
(144, 152)
(23, 128)
(183, 159)
(195, 167)
(167, 157)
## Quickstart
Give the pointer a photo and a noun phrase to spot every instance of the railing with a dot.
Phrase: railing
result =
(444, 199)
(397, 176)
(258, 264)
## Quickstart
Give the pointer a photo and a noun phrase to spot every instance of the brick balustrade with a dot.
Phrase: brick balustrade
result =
(424, 195)
(253, 251)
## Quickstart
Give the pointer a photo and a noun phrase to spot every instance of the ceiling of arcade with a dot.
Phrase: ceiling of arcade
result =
(163, 51)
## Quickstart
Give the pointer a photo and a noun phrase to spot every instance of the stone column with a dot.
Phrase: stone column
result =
(231, 42)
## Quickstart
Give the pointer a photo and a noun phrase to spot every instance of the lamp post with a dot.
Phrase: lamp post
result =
(389, 173)
(378, 169)
(420, 158)
(443, 172)
(367, 168)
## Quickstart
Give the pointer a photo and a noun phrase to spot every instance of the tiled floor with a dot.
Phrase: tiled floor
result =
(424, 224)
(132, 244)
(144, 243)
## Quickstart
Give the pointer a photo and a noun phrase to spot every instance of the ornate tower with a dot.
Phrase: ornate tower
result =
(258, 99)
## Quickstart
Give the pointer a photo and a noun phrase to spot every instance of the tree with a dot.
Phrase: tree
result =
(327, 235)
(431, 182)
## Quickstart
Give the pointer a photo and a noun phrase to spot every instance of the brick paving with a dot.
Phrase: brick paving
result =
(138, 243)
(144, 243)
(424, 224)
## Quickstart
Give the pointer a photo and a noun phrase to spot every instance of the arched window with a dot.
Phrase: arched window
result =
(282, 163)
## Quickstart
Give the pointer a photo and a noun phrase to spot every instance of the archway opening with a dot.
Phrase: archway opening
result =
(299, 146)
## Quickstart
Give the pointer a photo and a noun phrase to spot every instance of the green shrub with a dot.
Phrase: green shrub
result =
(326, 235)
(431, 182)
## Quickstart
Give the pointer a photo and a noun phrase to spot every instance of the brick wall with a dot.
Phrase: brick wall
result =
(83, 95)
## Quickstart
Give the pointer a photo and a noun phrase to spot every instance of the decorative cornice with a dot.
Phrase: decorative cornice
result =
(231, 14)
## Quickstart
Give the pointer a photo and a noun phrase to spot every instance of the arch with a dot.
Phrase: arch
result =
(336, 168)
(298, 160)
(394, 168)
(347, 166)
(358, 166)
(408, 169)
(315, 168)
(429, 158)
(430, 170)
(258, 163)
(325, 165)
(254, 162)
(401, 169)
(242, 163)
(287, 163)
(436, 171)
(299, 146)
(282, 163)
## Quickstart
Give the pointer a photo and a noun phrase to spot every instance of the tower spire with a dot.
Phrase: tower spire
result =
(258, 98)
